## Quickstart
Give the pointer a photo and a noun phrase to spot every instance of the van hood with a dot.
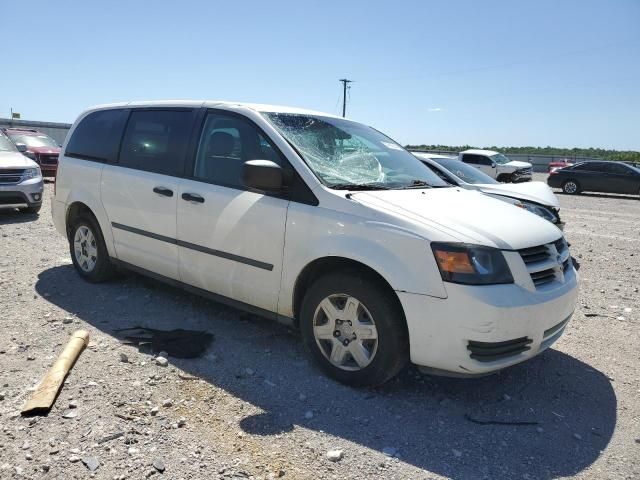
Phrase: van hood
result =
(537, 192)
(467, 216)
(15, 160)
(518, 164)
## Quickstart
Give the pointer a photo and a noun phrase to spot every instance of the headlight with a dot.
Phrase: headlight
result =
(32, 173)
(539, 210)
(471, 264)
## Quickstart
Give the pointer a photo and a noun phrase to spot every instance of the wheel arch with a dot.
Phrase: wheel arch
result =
(323, 265)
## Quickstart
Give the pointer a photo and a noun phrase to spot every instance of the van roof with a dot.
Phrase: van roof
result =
(258, 107)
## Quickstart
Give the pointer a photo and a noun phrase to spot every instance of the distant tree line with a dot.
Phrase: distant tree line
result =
(618, 155)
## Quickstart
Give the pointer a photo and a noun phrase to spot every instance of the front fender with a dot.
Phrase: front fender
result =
(400, 256)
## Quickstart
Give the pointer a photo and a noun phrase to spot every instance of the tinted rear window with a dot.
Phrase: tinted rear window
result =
(97, 137)
(156, 141)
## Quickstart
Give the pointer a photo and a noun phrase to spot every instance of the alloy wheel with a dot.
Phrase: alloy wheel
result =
(85, 248)
(345, 332)
(570, 187)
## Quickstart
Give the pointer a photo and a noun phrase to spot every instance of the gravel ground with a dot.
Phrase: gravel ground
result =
(253, 407)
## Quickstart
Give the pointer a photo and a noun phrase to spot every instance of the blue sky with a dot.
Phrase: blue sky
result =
(561, 73)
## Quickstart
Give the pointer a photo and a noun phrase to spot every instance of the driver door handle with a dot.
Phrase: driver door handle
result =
(192, 197)
(164, 191)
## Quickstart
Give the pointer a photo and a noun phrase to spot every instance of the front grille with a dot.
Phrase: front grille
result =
(535, 254)
(11, 199)
(490, 351)
(547, 263)
(544, 276)
(525, 171)
(11, 175)
(48, 159)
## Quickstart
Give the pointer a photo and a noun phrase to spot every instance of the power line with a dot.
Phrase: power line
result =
(345, 82)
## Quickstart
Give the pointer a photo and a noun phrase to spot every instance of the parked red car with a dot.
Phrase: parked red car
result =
(553, 166)
(38, 146)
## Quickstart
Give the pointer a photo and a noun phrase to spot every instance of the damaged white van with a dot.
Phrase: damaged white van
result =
(316, 221)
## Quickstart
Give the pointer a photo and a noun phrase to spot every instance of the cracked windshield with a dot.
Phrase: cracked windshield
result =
(348, 155)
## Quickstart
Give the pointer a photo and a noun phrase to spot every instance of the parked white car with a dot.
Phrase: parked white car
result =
(535, 197)
(21, 182)
(497, 166)
(317, 221)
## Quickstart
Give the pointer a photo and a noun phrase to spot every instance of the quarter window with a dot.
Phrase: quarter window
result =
(156, 141)
(97, 136)
(227, 142)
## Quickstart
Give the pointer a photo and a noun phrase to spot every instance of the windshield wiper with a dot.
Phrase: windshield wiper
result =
(359, 186)
(417, 184)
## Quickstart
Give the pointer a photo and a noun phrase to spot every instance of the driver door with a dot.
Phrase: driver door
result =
(230, 239)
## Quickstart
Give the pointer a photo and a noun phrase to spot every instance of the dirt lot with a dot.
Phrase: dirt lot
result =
(253, 406)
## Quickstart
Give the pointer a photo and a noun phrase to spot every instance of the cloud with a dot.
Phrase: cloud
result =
(436, 109)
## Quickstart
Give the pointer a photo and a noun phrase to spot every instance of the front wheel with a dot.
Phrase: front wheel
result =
(571, 187)
(88, 250)
(354, 329)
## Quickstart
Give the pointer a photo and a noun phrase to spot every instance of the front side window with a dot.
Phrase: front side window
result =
(97, 136)
(156, 141)
(499, 158)
(346, 155)
(465, 172)
(619, 169)
(36, 141)
(227, 142)
(6, 145)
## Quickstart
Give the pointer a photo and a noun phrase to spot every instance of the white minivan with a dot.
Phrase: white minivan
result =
(319, 222)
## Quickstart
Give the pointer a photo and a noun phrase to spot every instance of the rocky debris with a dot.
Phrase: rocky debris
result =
(123, 357)
(91, 463)
(167, 403)
(71, 413)
(154, 411)
(158, 464)
(335, 455)
(390, 451)
(162, 361)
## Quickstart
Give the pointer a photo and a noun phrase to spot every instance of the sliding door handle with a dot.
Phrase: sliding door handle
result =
(165, 192)
(192, 197)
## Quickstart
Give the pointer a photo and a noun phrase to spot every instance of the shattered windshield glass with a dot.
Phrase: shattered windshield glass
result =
(349, 155)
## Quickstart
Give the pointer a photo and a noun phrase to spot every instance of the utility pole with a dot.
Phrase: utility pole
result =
(345, 82)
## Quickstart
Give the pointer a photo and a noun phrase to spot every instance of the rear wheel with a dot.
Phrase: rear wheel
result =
(88, 250)
(354, 329)
(571, 187)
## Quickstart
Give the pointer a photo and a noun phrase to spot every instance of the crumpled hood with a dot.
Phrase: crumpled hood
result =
(15, 160)
(537, 192)
(467, 216)
(518, 164)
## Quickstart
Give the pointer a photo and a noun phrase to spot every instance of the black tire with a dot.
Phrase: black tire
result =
(571, 187)
(33, 210)
(392, 351)
(505, 178)
(103, 269)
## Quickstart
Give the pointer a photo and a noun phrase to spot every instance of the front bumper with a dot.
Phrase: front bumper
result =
(481, 329)
(522, 176)
(27, 193)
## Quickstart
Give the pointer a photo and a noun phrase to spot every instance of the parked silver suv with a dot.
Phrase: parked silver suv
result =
(21, 182)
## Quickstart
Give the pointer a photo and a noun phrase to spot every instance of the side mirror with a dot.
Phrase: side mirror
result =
(21, 147)
(263, 175)
(493, 164)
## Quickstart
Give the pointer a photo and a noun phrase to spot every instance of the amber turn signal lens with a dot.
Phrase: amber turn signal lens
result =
(454, 262)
